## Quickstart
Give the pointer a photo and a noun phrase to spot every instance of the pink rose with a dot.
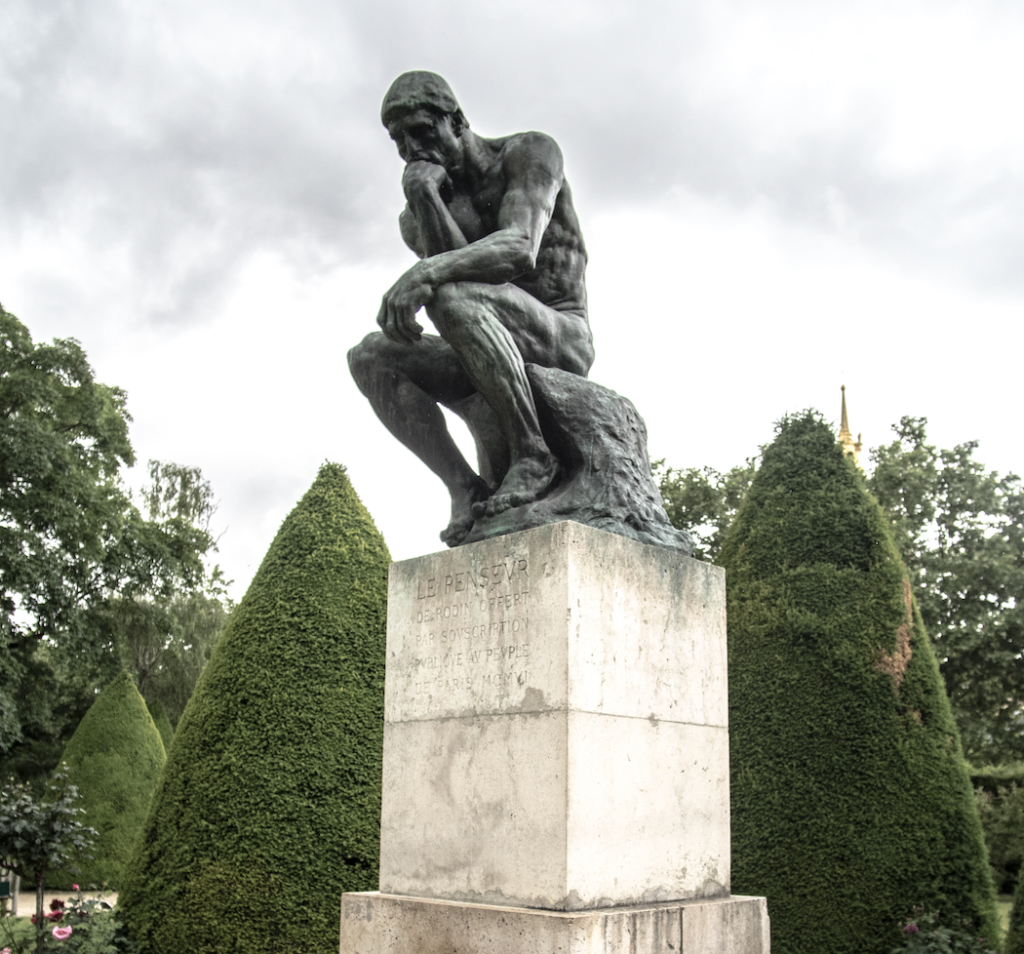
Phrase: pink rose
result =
(62, 933)
(74, 887)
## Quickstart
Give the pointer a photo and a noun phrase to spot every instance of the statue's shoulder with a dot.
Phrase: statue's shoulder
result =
(528, 150)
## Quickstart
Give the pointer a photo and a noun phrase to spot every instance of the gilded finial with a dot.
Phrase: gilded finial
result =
(850, 446)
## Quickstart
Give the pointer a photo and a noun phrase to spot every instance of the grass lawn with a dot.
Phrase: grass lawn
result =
(1004, 902)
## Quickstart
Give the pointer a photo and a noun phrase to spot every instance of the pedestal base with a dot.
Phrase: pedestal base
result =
(375, 923)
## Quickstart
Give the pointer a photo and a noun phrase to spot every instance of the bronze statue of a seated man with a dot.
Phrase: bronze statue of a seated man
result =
(501, 274)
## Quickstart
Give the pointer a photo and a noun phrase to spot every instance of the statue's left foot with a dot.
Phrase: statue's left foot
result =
(528, 480)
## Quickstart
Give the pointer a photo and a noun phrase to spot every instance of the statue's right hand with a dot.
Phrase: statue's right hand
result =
(423, 179)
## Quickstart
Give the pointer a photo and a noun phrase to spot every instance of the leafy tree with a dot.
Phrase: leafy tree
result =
(63, 439)
(704, 501)
(41, 836)
(166, 643)
(73, 546)
(269, 806)
(850, 798)
(960, 530)
(114, 758)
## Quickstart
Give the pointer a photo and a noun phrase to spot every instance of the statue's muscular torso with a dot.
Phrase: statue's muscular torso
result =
(557, 279)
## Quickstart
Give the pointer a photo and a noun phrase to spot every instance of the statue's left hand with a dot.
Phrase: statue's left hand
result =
(397, 315)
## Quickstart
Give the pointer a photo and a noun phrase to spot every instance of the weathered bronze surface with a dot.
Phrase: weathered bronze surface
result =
(501, 276)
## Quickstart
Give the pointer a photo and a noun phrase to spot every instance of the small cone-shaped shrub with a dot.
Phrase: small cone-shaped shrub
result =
(269, 806)
(851, 802)
(162, 723)
(115, 758)
(1014, 943)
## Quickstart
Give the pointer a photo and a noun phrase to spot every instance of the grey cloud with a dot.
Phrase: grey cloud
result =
(188, 170)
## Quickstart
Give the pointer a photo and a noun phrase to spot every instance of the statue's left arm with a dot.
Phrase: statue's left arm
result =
(532, 166)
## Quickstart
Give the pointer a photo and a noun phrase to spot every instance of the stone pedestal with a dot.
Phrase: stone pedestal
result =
(374, 923)
(556, 739)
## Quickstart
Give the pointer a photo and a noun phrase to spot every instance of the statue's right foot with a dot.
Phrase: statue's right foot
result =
(527, 480)
(463, 502)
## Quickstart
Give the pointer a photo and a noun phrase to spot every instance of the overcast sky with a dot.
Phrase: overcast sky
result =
(777, 197)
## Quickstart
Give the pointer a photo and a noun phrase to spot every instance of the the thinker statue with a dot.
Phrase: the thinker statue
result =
(500, 274)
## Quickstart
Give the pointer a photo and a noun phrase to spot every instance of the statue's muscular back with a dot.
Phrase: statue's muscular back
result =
(557, 280)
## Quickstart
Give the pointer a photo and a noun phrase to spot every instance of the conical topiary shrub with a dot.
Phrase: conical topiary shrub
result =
(1014, 943)
(851, 802)
(162, 723)
(269, 807)
(115, 758)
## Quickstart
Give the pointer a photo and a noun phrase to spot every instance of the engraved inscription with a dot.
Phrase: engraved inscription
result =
(473, 580)
(469, 640)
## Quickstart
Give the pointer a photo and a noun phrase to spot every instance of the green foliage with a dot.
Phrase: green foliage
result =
(63, 438)
(166, 644)
(41, 836)
(960, 530)
(925, 933)
(994, 777)
(269, 807)
(165, 639)
(59, 697)
(162, 723)
(999, 792)
(850, 798)
(115, 758)
(704, 502)
(73, 546)
(1014, 943)
(95, 929)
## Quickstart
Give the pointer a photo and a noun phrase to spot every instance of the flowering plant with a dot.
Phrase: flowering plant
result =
(42, 835)
(923, 934)
(82, 926)
(56, 912)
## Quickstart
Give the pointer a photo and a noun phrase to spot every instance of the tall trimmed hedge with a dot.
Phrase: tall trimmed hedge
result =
(269, 807)
(851, 801)
(115, 758)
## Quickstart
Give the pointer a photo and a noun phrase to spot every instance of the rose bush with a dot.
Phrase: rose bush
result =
(924, 934)
(83, 926)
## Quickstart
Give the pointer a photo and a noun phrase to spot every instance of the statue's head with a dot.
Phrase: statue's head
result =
(421, 89)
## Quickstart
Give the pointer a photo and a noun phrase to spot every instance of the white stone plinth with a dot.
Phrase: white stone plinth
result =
(373, 923)
(556, 725)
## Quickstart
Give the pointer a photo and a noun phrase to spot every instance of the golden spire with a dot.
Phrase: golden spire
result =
(850, 446)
